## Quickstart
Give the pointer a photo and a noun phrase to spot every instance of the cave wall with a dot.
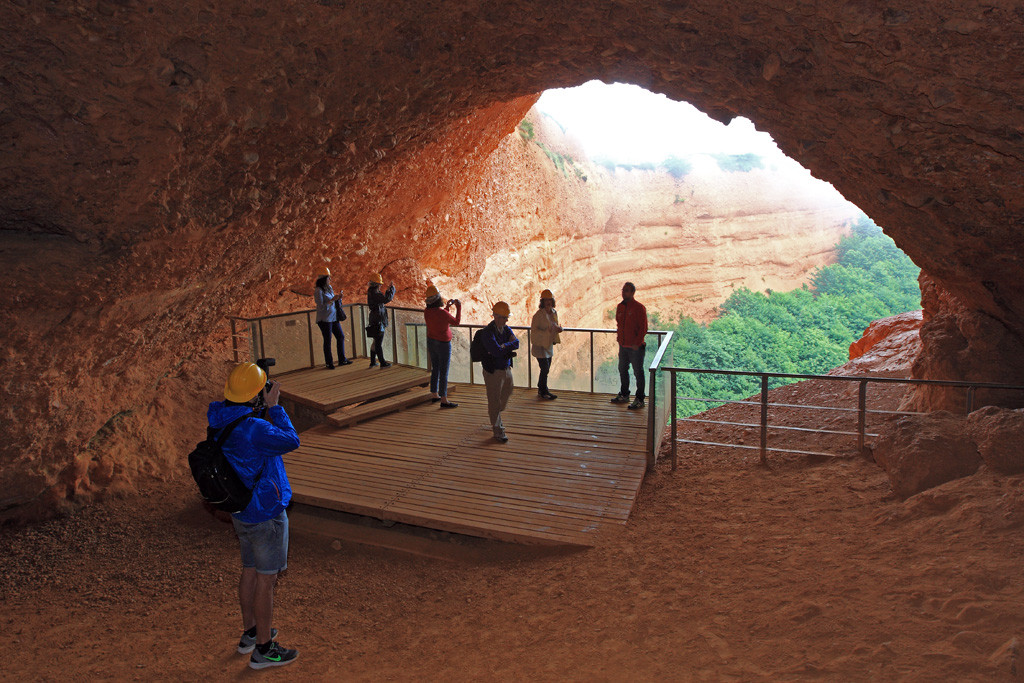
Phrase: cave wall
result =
(164, 164)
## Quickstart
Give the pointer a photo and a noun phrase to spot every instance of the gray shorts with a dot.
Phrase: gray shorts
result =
(264, 545)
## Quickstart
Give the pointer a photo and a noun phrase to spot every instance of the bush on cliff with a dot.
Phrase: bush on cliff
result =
(807, 330)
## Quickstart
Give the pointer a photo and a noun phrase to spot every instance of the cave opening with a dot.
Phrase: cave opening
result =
(733, 245)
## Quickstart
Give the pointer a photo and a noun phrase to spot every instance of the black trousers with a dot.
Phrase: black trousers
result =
(542, 379)
(326, 329)
(377, 348)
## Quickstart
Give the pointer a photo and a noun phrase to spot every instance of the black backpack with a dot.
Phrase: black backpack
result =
(219, 484)
(477, 352)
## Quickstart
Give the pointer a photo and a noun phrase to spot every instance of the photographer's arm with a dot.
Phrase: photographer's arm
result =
(276, 435)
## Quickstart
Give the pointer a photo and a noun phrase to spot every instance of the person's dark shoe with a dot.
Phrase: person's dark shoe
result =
(449, 404)
(435, 399)
(501, 438)
(385, 364)
(330, 366)
(636, 404)
(373, 363)
(549, 396)
(620, 399)
(344, 361)
(247, 643)
(274, 656)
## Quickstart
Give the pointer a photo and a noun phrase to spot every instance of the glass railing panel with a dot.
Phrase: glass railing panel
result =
(286, 338)
(606, 364)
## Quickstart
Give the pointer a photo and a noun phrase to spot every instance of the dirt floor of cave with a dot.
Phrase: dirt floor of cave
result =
(725, 571)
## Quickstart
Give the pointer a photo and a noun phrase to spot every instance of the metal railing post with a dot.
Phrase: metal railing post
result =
(764, 419)
(970, 399)
(263, 349)
(591, 361)
(234, 341)
(529, 364)
(416, 337)
(471, 363)
(862, 415)
(394, 335)
(309, 333)
(352, 324)
(672, 417)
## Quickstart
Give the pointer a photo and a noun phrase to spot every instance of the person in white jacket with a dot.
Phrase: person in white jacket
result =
(544, 331)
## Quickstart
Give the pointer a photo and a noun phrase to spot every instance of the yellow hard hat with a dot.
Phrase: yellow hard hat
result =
(501, 308)
(431, 292)
(322, 270)
(546, 294)
(378, 278)
(245, 381)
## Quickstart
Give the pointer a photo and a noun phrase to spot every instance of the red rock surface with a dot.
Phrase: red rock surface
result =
(887, 345)
(920, 452)
(686, 243)
(999, 434)
(166, 164)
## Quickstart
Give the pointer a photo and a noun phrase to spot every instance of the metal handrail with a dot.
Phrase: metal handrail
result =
(861, 410)
(655, 433)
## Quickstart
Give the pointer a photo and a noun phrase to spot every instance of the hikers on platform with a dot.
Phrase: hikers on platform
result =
(500, 345)
(254, 448)
(377, 321)
(544, 329)
(631, 329)
(327, 306)
(439, 342)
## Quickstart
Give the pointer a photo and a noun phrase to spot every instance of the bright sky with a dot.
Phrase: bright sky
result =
(628, 124)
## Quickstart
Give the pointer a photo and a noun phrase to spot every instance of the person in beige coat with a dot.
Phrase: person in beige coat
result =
(544, 329)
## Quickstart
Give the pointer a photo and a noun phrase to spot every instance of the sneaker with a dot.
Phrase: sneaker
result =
(620, 399)
(344, 361)
(549, 396)
(274, 656)
(373, 363)
(637, 404)
(449, 404)
(330, 367)
(385, 364)
(247, 643)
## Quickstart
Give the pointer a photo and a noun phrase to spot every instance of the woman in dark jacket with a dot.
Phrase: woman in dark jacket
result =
(378, 319)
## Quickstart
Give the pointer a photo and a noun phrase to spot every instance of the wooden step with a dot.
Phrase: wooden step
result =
(365, 411)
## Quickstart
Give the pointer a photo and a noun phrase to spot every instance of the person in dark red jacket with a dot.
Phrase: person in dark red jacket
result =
(631, 329)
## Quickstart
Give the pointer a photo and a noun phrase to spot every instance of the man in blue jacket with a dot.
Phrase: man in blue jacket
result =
(500, 343)
(254, 448)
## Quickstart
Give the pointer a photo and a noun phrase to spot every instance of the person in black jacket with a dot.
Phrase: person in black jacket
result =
(500, 342)
(378, 319)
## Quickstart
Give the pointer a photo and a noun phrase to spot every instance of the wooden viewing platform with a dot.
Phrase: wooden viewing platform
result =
(569, 473)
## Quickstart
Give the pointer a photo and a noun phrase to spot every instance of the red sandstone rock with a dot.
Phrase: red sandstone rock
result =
(961, 343)
(999, 434)
(889, 345)
(922, 451)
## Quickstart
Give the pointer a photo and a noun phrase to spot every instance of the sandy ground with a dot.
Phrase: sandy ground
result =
(727, 571)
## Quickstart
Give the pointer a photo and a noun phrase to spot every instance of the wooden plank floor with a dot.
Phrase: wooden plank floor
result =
(327, 390)
(569, 473)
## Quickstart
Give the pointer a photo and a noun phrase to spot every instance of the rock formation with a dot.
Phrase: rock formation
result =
(164, 164)
(583, 230)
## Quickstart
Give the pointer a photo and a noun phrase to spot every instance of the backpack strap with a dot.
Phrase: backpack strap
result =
(226, 431)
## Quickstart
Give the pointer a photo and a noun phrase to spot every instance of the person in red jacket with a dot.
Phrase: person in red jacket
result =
(631, 329)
